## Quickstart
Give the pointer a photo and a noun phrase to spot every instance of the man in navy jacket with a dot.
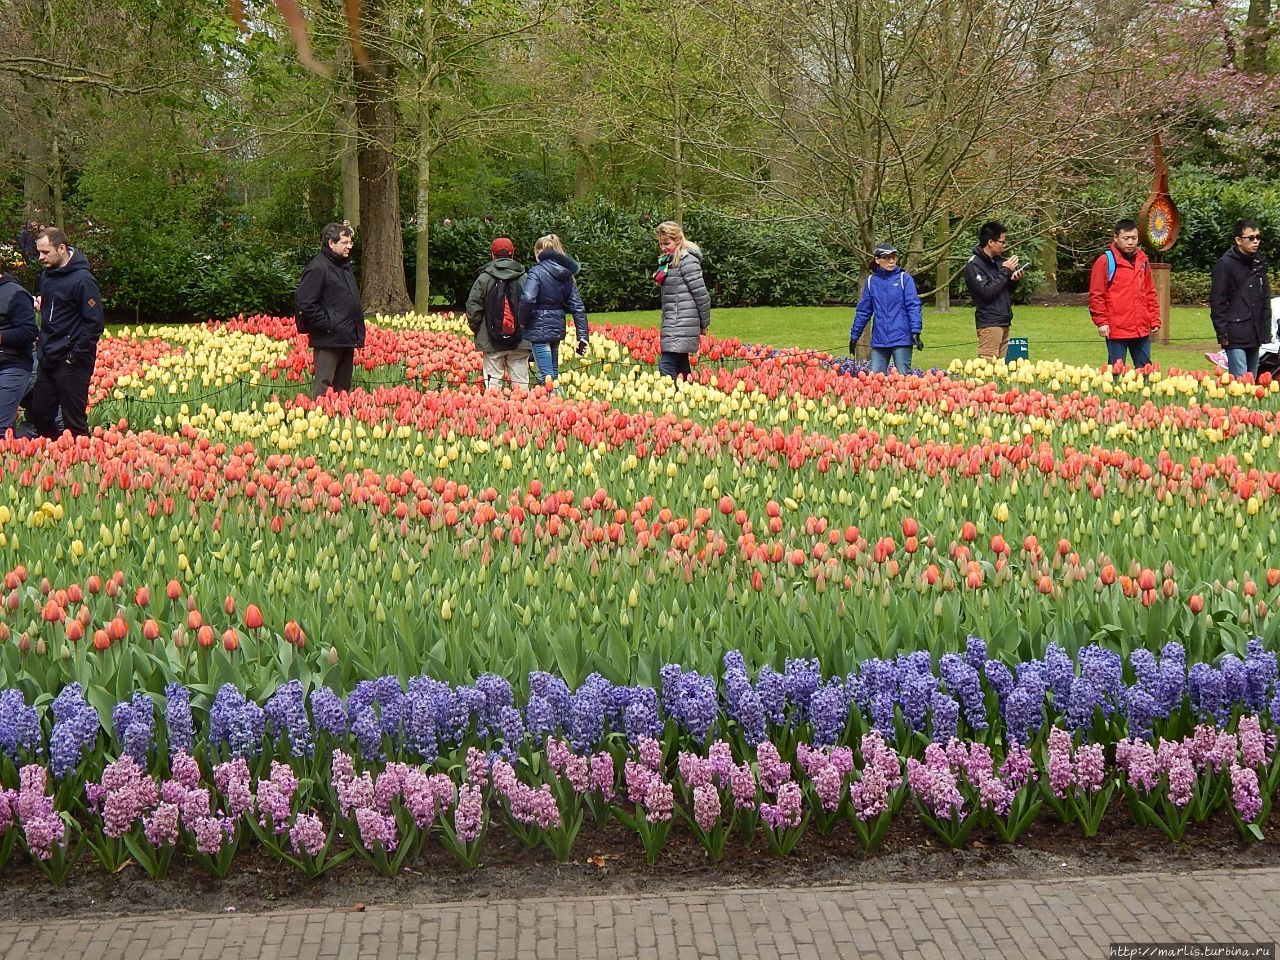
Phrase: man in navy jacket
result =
(71, 323)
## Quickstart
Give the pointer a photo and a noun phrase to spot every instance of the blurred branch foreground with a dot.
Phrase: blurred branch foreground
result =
(292, 15)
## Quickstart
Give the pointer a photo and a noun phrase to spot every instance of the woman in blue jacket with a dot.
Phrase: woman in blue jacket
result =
(891, 304)
(549, 293)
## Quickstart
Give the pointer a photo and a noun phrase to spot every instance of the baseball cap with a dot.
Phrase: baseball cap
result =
(502, 247)
(885, 250)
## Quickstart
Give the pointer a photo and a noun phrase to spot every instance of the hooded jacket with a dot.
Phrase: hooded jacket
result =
(686, 304)
(549, 293)
(990, 289)
(71, 320)
(329, 309)
(17, 325)
(502, 270)
(890, 300)
(1240, 299)
(1127, 304)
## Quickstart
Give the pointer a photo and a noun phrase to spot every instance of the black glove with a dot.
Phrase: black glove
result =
(1224, 343)
(917, 341)
(852, 345)
(581, 348)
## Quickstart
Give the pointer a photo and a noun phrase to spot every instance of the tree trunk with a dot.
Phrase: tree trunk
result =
(349, 156)
(584, 171)
(677, 178)
(383, 287)
(55, 183)
(1049, 261)
(1257, 36)
(942, 275)
(422, 210)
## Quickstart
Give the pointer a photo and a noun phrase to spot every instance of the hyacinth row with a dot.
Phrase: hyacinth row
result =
(316, 812)
(1097, 697)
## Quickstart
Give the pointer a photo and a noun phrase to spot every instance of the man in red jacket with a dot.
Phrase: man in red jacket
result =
(1122, 298)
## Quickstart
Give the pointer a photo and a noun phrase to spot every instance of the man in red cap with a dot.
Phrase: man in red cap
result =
(494, 318)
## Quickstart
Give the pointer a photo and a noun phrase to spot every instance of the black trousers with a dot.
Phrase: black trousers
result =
(61, 385)
(334, 366)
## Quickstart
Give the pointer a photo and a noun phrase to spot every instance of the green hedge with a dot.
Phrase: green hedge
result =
(745, 263)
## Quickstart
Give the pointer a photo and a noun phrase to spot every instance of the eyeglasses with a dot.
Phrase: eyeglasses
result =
(887, 256)
(1251, 237)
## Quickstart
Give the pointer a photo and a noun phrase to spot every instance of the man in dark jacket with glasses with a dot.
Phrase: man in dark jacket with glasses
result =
(1240, 300)
(329, 310)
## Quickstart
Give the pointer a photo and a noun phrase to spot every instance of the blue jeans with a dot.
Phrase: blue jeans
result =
(674, 364)
(1242, 360)
(13, 387)
(547, 357)
(1138, 347)
(880, 357)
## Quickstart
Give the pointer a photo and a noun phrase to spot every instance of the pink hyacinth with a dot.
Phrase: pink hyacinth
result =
(342, 766)
(468, 816)
(6, 811)
(637, 777)
(232, 780)
(694, 771)
(1223, 752)
(307, 835)
(1143, 767)
(995, 795)
(477, 767)
(842, 759)
(194, 806)
(602, 775)
(1245, 793)
(1182, 778)
(504, 779)
(1201, 743)
(706, 806)
(828, 783)
(355, 794)
(42, 835)
(1061, 770)
(161, 828)
(787, 811)
(275, 797)
(388, 785)
(774, 771)
(185, 770)
(810, 759)
(869, 795)
(42, 828)
(577, 770)
(376, 828)
(1090, 767)
(419, 797)
(1123, 749)
(1018, 767)
(979, 765)
(720, 759)
(659, 801)
(650, 753)
(558, 754)
(125, 794)
(934, 784)
(210, 834)
(742, 784)
(876, 753)
(1254, 746)
(957, 755)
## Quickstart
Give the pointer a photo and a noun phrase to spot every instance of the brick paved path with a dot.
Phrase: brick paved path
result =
(1067, 918)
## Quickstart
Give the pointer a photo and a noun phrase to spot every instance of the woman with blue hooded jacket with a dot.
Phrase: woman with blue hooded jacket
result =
(550, 292)
(890, 303)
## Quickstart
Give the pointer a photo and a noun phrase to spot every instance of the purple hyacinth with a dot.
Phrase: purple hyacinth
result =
(419, 720)
(540, 717)
(771, 688)
(1105, 671)
(1060, 673)
(975, 652)
(135, 723)
(497, 697)
(1084, 700)
(1140, 711)
(554, 692)
(19, 725)
(75, 730)
(587, 713)
(180, 729)
(1260, 673)
(742, 703)
(641, 719)
(915, 699)
(801, 679)
(328, 712)
(1001, 680)
(828, 712)
(236, 723)
(1023, 714)
(964, 683)
(367, 730)
(1209, 699)
(944, 716)
(286, 715)
(511, 728)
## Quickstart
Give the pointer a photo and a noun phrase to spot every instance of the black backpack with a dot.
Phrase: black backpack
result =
(501, 313)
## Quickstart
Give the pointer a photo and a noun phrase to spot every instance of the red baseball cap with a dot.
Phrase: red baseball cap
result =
(502, 247)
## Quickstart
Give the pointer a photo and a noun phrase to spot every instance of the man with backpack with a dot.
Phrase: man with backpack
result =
(492, 311)
(330, 312)
(1122, 297)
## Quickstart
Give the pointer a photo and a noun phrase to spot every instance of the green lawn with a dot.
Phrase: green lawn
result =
(1063, 333)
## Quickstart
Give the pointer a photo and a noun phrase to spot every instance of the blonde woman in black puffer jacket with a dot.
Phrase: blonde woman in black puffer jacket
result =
(686, 304)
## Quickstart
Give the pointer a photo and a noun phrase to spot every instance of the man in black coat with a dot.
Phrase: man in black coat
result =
(329, 310)
(991, 277)
(71, 323)
(1240, 300)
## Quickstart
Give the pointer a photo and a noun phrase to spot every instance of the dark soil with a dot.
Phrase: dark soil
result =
(610, 861)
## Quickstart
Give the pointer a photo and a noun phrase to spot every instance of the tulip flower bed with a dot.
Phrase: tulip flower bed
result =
(200, 597)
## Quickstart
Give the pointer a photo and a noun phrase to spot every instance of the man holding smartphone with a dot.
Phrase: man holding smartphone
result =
(991, 277)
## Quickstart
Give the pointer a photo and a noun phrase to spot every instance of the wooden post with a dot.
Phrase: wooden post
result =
(1160, 274)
